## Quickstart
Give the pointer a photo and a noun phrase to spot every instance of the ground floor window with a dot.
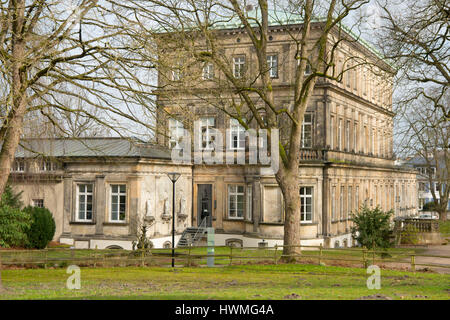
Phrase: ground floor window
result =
(118, 202)
(306, 207)
(84, 205)
(236, 201)
(38, 203)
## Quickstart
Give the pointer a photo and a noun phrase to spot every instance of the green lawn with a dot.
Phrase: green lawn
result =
(444, 228)
(235, 282)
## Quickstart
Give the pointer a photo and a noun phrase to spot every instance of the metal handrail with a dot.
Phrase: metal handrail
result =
(201, 226)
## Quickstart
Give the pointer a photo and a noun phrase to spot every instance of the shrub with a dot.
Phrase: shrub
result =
(10, 198)
(14, 225)
(42, 229)
(372, 228)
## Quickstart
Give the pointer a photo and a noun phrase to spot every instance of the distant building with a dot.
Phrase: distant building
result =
(424, 185)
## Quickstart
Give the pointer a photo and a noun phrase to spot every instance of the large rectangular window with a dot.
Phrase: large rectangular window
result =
(357, 198)
(84, 205)
(341, 204)
(118, 202)
(307, 130)
(207, 138)
(347, 135)
(237, 135)
(332, 128)
(355, 136)
(208, 71)
(349, 202)
(333, 203)
(176, 131)
(306, 204)
(236, 201)
(238, 66)
(340, 135)
(272, 62)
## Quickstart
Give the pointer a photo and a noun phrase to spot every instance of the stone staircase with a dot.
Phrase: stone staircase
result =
(193, 235)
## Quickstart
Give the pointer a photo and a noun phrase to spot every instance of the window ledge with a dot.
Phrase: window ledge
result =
(272, 223)
(308, 224)
(116, 224)
(82, 223)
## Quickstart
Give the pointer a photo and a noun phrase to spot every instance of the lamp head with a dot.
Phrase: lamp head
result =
(173, 176)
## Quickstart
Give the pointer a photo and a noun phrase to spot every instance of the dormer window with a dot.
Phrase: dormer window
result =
(18, 166)
(48, 165)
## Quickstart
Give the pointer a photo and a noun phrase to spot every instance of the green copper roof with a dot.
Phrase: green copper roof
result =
(284, 18)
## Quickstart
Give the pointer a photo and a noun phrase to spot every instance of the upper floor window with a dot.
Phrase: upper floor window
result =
(333, 203)
(236, 201)
(84, 202)
(237, 135)
(176, 131)
(340, 135)
(306, 204)
(48, 165)
(347, 135)
(207, 138)
(18, 166)
(177, 72)
(341, 203)
(349, 202)
(118, 202)
(332, 130)
(272, 62)
(239, 66)
(208, 71)
(307, 130)
(355, 136)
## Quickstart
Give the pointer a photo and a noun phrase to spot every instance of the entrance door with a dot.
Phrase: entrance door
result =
(204, 204)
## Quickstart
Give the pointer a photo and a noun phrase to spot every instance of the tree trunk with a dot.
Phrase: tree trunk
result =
(12, 129)
(442, 213)
(289, 184)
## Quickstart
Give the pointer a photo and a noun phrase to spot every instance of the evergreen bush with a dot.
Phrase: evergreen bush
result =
(42, 228)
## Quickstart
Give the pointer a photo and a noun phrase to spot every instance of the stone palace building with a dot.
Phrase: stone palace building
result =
(100, 189)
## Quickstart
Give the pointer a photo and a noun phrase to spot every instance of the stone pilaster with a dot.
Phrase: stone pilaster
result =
(100, 203)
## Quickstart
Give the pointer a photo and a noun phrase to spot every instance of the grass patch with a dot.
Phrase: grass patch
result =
(234, 282)
(444, 228)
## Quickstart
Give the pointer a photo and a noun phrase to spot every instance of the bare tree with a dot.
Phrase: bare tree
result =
(56, 51)
(188, 34)
(426, 138)
(415, 36)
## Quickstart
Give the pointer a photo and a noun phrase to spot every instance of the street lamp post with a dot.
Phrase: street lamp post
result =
(173, 176)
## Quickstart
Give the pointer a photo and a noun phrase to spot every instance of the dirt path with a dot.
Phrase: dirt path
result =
(437, 250)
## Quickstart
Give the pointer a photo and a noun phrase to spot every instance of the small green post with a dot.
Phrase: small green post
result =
(143, 257)
(364, 259)
(231, 255)
(413, 263)
(320, 254)
(275, 257)
(189, 255)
